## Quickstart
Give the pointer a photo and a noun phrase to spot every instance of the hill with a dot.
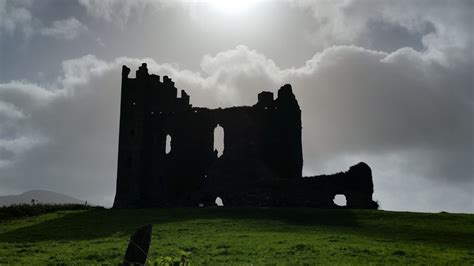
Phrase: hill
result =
(242, 236)
(40, 196)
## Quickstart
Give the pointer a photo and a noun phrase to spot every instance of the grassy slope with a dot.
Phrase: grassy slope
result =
(218, 235)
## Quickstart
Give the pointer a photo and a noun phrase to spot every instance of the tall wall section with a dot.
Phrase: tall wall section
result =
(260, 142)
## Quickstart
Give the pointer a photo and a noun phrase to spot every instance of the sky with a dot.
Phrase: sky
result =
(389, 83)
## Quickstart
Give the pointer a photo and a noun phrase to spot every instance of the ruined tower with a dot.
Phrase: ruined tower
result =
(262, 149)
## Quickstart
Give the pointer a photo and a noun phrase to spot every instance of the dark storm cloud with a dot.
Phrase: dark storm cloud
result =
(383, 36)
(380, 83)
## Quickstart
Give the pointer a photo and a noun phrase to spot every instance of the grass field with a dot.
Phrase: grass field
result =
(242, 236)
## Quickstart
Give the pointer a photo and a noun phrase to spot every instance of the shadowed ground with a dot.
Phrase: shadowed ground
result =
(258, 235)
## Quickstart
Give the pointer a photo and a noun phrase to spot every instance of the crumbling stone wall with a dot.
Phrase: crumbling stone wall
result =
(261, 164)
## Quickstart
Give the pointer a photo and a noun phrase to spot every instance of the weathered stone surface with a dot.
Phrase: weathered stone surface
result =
(138, 246)
(261, 164)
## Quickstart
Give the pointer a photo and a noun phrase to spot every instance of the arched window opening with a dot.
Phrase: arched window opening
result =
(219, 202)
(168, 144)
(219, 140)
(340, 200)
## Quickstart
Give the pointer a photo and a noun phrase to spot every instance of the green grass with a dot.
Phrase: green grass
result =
(242, 236)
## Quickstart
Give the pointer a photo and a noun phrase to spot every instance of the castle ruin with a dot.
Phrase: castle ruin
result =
(261, 164)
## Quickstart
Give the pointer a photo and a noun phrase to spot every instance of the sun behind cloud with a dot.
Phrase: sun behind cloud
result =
(232, 6)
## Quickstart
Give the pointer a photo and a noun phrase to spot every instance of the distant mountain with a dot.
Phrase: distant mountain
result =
(40, 196)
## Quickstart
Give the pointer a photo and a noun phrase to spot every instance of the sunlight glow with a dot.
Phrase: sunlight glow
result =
(232, 6)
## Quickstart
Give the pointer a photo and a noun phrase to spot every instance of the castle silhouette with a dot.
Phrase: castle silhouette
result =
(261, 164)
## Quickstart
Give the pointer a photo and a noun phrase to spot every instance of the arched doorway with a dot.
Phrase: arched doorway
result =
(219, 202)
(168, 144)
(219, 140)
(340, 200)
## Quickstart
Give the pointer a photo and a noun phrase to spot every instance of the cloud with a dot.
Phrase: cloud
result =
(19, 102)
(119, 11)
(68, 29)
(422, 24)
(44, 146)
(238, 73)
(16, 16)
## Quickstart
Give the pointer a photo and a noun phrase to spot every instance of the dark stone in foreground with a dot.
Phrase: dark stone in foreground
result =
(261, 164)
(137, 250)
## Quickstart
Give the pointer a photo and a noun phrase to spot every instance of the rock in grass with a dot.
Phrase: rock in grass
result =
(138, 246)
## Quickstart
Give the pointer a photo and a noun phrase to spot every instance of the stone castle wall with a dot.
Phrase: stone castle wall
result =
(260, 166)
